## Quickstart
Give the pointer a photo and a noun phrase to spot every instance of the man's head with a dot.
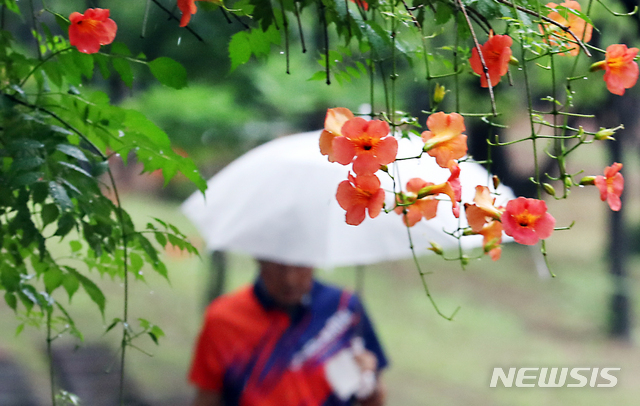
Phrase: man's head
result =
(287, 284)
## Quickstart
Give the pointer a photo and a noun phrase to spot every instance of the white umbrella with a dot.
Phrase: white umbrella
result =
(277, 202)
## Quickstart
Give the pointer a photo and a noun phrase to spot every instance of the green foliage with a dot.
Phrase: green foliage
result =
(256, 42)
(56, 140)
(169, 72)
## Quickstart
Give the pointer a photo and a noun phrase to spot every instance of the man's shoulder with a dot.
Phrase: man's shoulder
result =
(326, 294)
(234, 304)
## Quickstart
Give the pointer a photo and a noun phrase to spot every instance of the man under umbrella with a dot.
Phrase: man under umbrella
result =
(288, 340)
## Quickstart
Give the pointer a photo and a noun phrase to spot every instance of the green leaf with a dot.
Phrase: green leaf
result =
(53, 73)
(69, 69)
(136, 121)
(113, 324)
(60, 196)
(153, 337)
(120, 64)
(123, 68)
(26, 301)
(39, 192)
(49, 213)
(157, 331)
(260, 41)
(160, 237)
(92, 290)
(176, 241)
(120, 48)
(102, 62)
(30, 162)
(75, 245)
(378, 38)
(76, 168)
(71, 284)
(10, 278)
(319, 75)
(12, 6)
(136, 262)
(62, 21)
(239, 49)
(148, 248)
(53, 279)
(162, 223)
(169, 72)
(28, 178)
(72, 151)
(25, 145)
(30, 293)
(72, 325)
(443, 13)
(65, 224)
(84, 63)
(11, 300)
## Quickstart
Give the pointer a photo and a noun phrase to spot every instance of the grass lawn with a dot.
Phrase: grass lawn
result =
(510, 316)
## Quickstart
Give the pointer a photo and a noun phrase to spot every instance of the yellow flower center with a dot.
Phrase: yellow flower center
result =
(615, 63)
(525, 219)
(87, 26)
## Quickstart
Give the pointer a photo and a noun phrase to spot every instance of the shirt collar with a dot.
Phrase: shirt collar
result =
(268, 303)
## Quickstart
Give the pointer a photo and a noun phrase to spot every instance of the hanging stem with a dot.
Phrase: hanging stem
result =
(42, 61)
(394, 68)
(456, 79)
(285, 24)
(485, 70)
(35, 28)
(125, 316)
(323, 19)
(296, 5)
(173, 17)
(423, 278)
(547, 20)
(145, 19)
(52, 377)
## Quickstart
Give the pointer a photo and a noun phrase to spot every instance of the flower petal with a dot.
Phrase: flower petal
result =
(544, 226)
(336, 118)
(343, 150)
(365, 164)
(377, 129)
(354, 127)
(386, 150)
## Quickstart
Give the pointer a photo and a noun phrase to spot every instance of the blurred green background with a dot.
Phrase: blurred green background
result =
(512, 314)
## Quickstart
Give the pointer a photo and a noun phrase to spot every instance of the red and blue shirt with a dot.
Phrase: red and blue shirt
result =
(256, 354)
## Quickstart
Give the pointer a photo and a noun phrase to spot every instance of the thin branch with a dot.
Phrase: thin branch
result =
(296, 4)
(548, 20)
(147, 7)
(285, 24)
(173, 17)
(482, 61)
(479, 18)
(226, 16)
(60, 120)
(323, 19)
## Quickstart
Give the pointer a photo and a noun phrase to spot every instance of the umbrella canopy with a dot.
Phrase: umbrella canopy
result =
(277, 202)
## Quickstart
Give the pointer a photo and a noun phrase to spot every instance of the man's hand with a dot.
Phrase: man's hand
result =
(208, 398)
(375, 391)
(378, 397)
